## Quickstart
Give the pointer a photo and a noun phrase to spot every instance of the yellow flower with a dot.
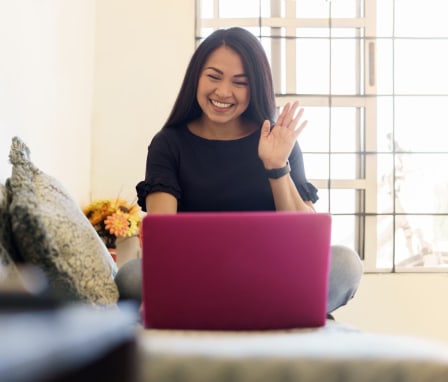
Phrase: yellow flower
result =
(113, 218)
(134, 225)
(98, 216)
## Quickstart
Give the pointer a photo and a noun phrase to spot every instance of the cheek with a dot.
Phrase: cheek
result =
(201, 93)
(246, 96)
(201, 86)
(205, 83)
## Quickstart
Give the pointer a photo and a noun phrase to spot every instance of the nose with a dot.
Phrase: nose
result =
(223, 90)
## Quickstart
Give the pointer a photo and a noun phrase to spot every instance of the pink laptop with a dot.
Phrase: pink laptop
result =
(235, 270)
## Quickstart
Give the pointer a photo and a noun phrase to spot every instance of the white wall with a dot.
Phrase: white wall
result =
(406, 304)
(143, 48)
(134, 53)
(87, 83)
(46, 82)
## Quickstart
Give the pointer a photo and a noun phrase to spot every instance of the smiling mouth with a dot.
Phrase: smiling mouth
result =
(221, 105)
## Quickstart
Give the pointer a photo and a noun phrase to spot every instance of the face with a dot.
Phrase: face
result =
(223, 89)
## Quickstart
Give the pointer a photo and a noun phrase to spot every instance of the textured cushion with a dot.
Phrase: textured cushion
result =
(333, 353)
(8, 269)
(51, 232)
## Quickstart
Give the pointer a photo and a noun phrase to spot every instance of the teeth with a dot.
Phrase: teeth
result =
(220, 104)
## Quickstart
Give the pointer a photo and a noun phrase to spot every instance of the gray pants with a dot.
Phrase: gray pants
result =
(345, 274)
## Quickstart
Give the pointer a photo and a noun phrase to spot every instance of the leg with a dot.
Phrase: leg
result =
(129, 280)
(345, 274)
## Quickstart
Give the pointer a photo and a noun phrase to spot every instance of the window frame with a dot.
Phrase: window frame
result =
(283, 22)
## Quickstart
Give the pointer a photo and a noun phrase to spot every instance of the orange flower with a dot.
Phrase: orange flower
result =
(117, 224)
(113, 218)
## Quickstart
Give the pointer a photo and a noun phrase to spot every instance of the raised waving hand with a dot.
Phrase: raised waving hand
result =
(275, 144)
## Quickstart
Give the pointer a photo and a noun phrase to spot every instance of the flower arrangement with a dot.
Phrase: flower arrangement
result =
(113, 218)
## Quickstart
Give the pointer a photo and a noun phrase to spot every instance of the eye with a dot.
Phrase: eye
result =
(241, 83)
(213, 77)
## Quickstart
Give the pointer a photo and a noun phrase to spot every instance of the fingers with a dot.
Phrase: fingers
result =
(281, 118)
(291, 113)
(297, 118)
(301, 127)
(289, 117)
(266, 127)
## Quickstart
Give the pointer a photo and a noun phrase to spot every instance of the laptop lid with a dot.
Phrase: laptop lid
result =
(235, 270)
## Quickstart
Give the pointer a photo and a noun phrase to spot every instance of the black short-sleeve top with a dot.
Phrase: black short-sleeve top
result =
(214, 175)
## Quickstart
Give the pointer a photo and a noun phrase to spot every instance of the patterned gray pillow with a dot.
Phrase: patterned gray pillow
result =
(8, 269)
(52, 232)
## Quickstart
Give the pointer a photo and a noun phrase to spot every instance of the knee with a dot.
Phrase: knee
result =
(129, 280)
(348, 264)
(346, 270)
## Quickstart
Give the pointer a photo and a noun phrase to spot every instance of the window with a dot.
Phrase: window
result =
(372, 75)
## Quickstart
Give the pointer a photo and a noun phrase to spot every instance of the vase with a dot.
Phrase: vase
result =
(113, 253)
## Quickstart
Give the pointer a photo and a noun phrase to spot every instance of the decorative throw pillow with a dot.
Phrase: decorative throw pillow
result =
(51, 231)
(8, 269)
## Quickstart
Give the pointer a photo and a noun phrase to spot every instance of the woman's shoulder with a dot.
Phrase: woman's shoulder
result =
(170, 134)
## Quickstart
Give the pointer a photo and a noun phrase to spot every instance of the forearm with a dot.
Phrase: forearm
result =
(161, 203)
(286, 196)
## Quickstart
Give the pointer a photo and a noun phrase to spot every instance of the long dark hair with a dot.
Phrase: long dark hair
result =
(255, 63)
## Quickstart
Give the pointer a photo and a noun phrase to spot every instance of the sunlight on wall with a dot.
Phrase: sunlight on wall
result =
(46, 82)
(142, 52)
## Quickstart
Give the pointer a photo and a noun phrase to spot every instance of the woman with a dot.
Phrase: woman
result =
(221, 149)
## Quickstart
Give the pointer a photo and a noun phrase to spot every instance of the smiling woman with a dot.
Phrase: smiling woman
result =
(227, 101)
(223, 95)
(224, 149)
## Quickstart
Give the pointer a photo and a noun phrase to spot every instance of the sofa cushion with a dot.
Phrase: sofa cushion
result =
(51, 231)
(333, 353)
(8, 269)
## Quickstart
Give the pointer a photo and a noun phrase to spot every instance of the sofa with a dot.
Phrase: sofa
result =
(333, 353)
(42, 227)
